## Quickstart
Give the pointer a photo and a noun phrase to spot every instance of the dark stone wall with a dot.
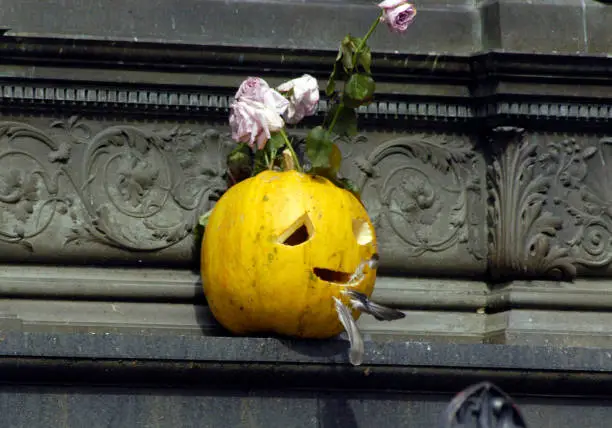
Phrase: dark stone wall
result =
(484, 163)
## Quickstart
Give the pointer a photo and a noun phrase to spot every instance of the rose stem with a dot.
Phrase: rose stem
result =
(366, 37)
(359, 48)
(335, 118)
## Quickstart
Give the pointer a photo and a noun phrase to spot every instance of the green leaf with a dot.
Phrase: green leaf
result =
(239, 157)
(359, 90)
(335, 162)
(275, 143)
(240, 163)
(364, 58)
(348, 185)
(343, 65)
(346, 123)
(345, 183)
(319, 148)
(260, 162)
(356, 41)
(347, 47)
(265, 159)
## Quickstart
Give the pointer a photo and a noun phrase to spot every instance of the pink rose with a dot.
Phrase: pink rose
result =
(303, 97)
(397, 14)
(253, 121)
(258, 90)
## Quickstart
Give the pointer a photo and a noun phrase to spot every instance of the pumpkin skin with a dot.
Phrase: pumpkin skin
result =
(275, 250)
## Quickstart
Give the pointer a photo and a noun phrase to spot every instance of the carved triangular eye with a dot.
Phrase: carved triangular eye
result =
(362, 231)
(299, 232)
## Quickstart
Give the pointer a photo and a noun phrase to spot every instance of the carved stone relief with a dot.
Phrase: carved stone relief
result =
(76, 188)
(549, 212)
(426, 196)
(86, 191)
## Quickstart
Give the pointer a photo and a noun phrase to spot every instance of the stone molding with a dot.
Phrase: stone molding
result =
(111, 161)
(71, 300)
(81, 191)
(461, 27)
(176, 102)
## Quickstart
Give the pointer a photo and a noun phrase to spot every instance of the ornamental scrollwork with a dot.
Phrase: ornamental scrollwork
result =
(548, 206)
(427, 191)
(129, 187)
(585, 192)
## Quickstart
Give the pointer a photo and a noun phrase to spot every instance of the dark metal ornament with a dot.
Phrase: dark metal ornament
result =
(483, 405)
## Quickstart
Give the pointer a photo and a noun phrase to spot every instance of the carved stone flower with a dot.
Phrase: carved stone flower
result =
(20, 191)
(136, 177)
(419, 200)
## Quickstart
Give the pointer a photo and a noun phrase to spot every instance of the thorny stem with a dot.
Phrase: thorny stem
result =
(298, 167)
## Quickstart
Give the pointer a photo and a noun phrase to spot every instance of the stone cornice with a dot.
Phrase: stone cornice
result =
(457, 26)
(170, 79)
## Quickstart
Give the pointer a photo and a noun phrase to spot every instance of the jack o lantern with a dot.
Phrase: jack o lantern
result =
(278, 247)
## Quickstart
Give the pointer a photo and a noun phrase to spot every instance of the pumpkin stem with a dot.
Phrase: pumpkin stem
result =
(288, 161)
(296, 162)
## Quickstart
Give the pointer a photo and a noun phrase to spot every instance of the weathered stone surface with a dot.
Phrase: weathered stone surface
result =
(41, 406)
(151, 301)
(303, 25)
(543, 26)
(425, 193)
(80, 191)
(549, 212)
(72, 187)
(254, 350)
(137, 407)
(551, 328)
(598, 21)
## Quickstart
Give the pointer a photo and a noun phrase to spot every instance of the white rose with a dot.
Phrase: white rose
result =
(303, 97)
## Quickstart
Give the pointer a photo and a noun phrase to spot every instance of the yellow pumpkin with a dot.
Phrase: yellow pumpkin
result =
(277, 247)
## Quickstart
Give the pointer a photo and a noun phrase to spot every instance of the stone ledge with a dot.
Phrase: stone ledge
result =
(146, 284)
(255, 350)
(165, 302)
(124, 392)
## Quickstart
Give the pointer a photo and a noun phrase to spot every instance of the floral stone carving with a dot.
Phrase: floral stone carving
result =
(132, 188)
(585, 194)
(83, 191)
(548, 212)
(425, 195)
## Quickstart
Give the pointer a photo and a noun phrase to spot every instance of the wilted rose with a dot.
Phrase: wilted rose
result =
(252, 122)
(257, 89)
(303, 97)
(397, 14)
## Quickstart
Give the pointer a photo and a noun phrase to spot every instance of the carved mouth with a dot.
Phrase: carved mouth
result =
(332, 275)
